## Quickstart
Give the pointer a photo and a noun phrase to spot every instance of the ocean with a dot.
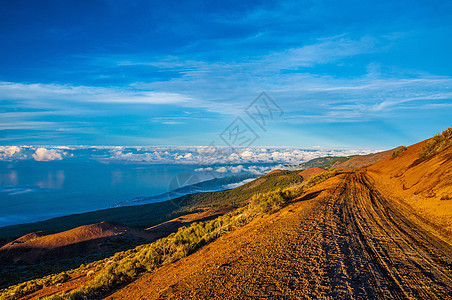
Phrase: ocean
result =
(33, 190)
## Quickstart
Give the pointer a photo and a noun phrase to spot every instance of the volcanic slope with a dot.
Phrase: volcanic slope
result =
(424, 185)
(344, 239)
(83, 240)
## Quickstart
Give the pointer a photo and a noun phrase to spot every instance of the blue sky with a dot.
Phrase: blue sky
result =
(345, 73)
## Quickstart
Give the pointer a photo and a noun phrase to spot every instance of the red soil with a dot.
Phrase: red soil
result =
(83, 240)
(308, 173)
(362, 234)
(342, 240)
(274, 171)
(424, 185)
(32, 236)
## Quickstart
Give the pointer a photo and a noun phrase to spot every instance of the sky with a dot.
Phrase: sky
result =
(374, 74)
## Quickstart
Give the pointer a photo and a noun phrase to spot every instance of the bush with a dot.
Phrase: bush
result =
(273, 201)
(319, 178)
(59, 278)
(437, 143)
(28, 287)
(398, 152)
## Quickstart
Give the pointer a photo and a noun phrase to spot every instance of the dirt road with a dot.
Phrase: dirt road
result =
(343, 241)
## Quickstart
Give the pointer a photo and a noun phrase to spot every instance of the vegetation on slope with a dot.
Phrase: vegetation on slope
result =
(437, 143)
(333, 163)
(238, 195)
(147, 215)
(317, 162)
(316, 179)
(325, 162)
(12, 274)
(399, 152)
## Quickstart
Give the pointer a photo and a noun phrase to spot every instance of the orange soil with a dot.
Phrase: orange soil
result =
(365, 160)
(380, 232)
(424, 185)
(31, 236)
(308, 173)
(82, 240)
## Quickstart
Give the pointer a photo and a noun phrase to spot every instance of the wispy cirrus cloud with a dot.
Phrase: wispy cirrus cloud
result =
(334, 98)
(38, 91)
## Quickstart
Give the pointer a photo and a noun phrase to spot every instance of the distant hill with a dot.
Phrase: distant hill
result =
(364, 160)
(308, 173)
(322, 162)
(212, 185)
(41, 253)
(347, 162)
(80, 241)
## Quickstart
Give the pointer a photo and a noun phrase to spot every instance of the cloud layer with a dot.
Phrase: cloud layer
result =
(221, 160)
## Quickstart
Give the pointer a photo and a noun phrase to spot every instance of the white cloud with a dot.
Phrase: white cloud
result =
(237, 169)
(43, 154)
(325, 51)
(221, 170)
(208, 169)
(246, 154)
(237, 184)
(44, 92)
(305, 95)
(7, 152)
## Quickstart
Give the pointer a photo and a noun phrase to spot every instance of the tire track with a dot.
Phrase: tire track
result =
(350, 242)
(407, 258)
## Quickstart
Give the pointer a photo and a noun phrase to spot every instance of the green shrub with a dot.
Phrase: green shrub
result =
(28, 287)
(318, 178)
(398, 152)
(437, 143)
(275, 200)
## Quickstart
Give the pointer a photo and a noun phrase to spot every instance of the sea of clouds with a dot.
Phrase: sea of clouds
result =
(218, 159)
